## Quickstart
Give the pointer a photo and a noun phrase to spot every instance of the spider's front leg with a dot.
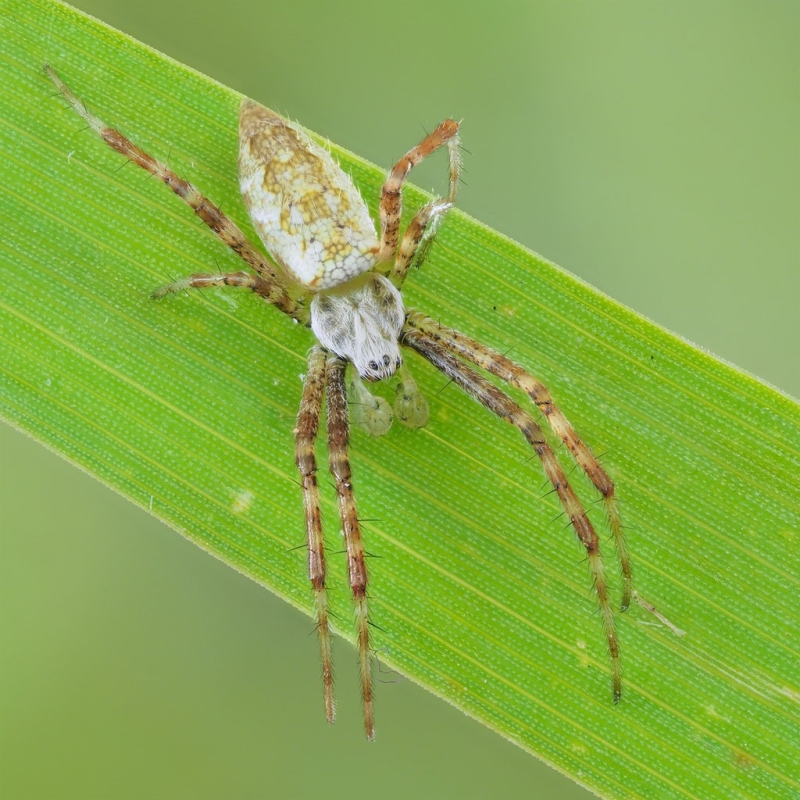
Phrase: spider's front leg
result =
(488, 395)
(512, 373)
(338, 441)
(305, 434)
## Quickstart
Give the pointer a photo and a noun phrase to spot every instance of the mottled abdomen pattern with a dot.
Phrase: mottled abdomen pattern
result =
(307, 212)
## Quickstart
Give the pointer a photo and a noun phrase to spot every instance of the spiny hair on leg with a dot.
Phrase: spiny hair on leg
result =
(488, 395)
(498, 364)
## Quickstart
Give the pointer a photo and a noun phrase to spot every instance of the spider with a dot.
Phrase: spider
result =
(331, 272)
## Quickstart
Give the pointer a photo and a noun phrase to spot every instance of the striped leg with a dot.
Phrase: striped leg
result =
(418, 238)
(496, 401)
(391, 193)
(273, 284)
(512, 373)
(241, 280)
(338, 441)
(305, 434)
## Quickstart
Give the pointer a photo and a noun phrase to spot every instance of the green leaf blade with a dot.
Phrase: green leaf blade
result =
(186, 406)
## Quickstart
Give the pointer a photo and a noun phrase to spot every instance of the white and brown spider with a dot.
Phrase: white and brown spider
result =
(333, 273)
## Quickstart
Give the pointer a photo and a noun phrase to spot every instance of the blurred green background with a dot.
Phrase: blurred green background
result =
(662, 139)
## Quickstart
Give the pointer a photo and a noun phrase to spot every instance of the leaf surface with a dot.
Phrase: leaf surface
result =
(187, 407)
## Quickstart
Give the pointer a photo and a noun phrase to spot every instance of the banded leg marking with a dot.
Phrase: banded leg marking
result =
(513, 374)
(305, 434)
(504, 407)
(391, 194)
(273, 287)
(338, 441)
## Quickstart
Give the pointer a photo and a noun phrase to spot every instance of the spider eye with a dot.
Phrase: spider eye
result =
(386, 361)
(373, 365)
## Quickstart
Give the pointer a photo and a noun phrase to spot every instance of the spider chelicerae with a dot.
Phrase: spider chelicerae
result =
(330, 271)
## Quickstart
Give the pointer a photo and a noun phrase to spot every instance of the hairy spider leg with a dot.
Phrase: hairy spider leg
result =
(272, 286)
(418, 238)
(338, 442)
(488, 395)
(513, 374)
(391, 205)
(305, 434)
(202, 280)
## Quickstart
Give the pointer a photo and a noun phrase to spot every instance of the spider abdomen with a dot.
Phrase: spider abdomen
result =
(304, 208)
(362, 325)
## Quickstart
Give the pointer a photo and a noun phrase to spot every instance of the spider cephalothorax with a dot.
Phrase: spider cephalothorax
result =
(362, 324)
(331, 271)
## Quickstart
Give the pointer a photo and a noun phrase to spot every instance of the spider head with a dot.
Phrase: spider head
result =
(374, 370)
(361, 321)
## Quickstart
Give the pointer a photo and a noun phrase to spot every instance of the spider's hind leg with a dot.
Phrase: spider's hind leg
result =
(513, 374)
(273, 284)
(418, 239)
(422, 228)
